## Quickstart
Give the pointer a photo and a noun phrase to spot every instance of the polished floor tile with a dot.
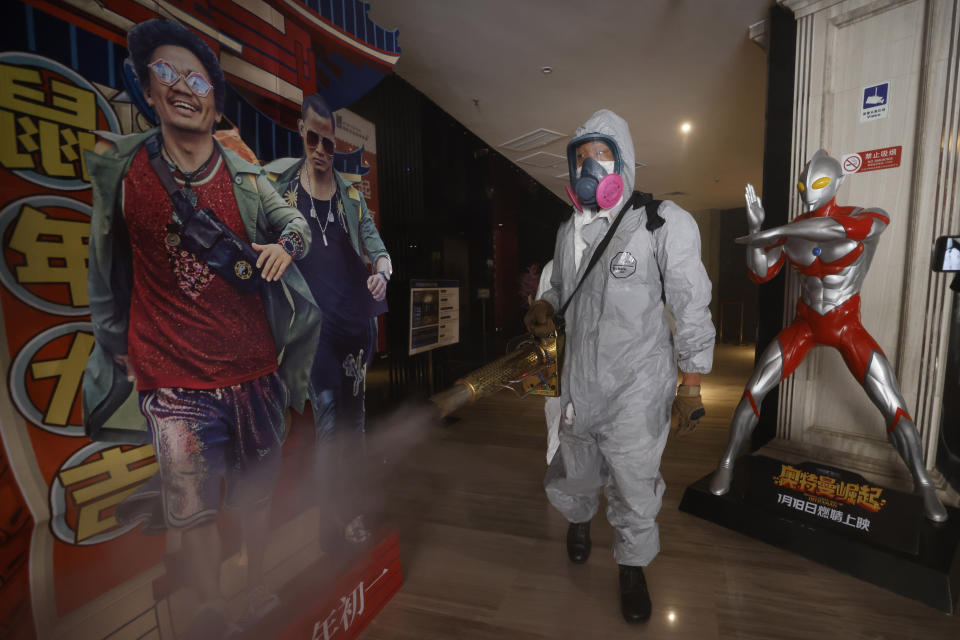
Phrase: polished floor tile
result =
(483, 551)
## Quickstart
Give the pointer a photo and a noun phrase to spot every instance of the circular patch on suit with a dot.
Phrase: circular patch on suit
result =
(623, 265)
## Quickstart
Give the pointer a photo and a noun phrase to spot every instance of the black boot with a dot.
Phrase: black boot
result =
(634, 597)
(578, 542)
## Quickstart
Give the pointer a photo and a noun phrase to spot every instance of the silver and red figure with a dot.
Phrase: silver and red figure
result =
(831, 247)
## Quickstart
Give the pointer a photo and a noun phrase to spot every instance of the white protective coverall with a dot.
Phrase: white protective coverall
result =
(620, 367)
(552, 407)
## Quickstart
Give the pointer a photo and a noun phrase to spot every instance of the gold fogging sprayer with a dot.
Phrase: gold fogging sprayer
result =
(534, 366)
(531, 368)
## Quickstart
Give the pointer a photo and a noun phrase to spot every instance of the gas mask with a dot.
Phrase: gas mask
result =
(607, 166)
(596, 184)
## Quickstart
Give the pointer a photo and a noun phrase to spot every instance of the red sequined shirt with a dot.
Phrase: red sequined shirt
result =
(188, 327)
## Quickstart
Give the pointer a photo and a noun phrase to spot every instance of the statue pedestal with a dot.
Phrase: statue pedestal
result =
(836, 518)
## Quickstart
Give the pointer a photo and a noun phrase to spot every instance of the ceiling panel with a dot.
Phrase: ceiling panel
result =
(657, 63)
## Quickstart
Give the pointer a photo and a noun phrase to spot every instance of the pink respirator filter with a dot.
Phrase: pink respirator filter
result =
(573, 198)
(609, 191)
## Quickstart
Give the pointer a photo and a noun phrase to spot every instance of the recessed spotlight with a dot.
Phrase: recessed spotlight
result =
(686, 127)
(672, 617)
(546, 70)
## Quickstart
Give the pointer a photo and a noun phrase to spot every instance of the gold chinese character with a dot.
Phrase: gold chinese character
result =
(808, 482)
(826, 486)
(58, 144)
(68, 372)
(789, 477)
(115, 475)
(56, 252)
(847, 492)
(63, 122)
(10, 135)
(869, 498)
(71, 106)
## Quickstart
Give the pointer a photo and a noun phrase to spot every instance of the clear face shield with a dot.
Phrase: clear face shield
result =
(594, 163)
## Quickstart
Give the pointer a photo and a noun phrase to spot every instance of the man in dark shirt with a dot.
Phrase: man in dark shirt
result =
(350, 299)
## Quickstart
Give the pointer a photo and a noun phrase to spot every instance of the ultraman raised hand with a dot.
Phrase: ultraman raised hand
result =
(755, 212)
(831, 247)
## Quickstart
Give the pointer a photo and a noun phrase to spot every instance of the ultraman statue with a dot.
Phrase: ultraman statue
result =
(831, 247)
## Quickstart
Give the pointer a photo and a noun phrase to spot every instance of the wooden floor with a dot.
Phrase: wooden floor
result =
(484, 557)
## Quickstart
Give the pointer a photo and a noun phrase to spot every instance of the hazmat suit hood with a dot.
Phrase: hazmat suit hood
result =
(608, 124)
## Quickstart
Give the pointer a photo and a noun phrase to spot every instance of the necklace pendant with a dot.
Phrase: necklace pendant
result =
(191, 195)
(329, 216)
(324, 234)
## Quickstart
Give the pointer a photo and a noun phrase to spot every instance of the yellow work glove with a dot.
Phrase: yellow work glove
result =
(539, 319)
(688, 407)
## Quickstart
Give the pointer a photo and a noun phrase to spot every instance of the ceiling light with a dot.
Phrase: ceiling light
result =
(686, 127)
(546, 70)
(672, 617)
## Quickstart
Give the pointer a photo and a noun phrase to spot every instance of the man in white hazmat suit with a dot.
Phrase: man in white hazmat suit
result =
(620, 366)
(552, 407)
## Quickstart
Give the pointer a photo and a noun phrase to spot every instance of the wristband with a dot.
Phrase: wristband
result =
(292, 243)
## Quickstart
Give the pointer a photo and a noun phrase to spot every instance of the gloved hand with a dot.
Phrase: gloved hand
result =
(688, 407)
(539, 319)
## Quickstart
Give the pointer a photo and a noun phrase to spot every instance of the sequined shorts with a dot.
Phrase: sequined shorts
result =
(211, 440)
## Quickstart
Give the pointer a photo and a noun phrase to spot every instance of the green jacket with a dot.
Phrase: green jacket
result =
(360, 223)
(110, 408)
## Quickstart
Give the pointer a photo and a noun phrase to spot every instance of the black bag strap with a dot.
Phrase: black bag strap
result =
(160, 166)
(654, 221)
(182, 207)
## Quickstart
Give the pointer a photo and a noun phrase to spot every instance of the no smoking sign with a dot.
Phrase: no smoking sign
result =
(873, 160)
(852, 163)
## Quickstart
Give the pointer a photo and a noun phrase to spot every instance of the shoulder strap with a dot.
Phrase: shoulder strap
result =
(183, 208)
(159, 166)
(654, 219)
(636, 200)
(654, 222)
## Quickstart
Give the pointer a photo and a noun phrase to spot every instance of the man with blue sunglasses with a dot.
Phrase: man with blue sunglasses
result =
(215, 367)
